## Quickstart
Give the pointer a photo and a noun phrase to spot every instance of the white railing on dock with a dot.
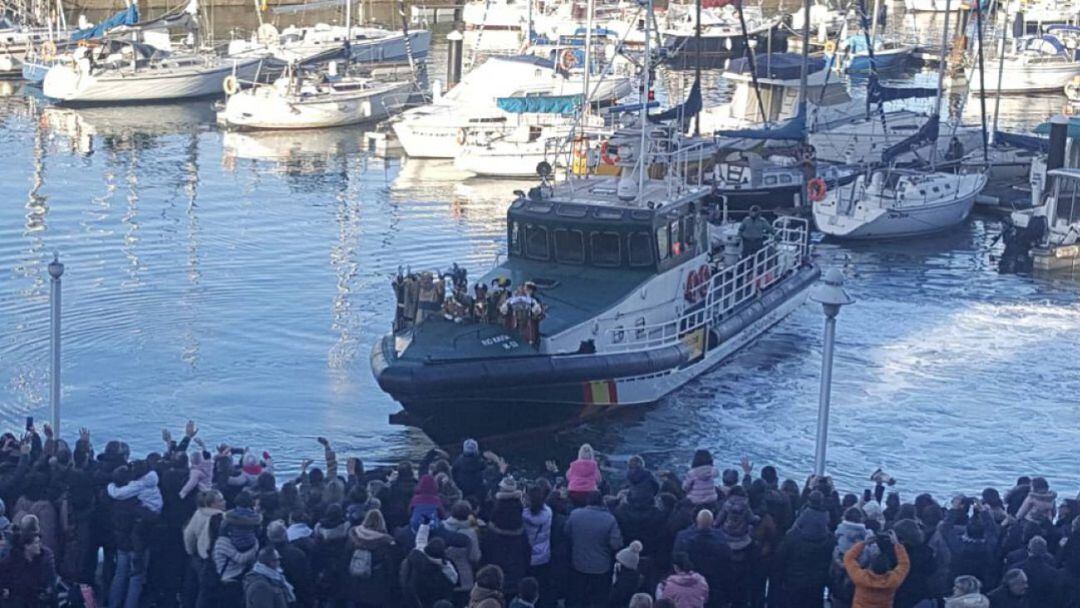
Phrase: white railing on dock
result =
(729, 288)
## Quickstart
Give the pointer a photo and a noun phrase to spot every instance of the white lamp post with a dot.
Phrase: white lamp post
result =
(831, 295)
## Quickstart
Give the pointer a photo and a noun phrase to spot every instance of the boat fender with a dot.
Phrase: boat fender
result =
(607, 156)
(568, 60)
(816, 189)
(461, 136)
(48, 50)
(231, 85)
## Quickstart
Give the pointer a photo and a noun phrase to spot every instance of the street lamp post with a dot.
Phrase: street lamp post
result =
(831, 295)
(56, 270)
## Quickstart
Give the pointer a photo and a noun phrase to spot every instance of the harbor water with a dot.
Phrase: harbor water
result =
(241, 280)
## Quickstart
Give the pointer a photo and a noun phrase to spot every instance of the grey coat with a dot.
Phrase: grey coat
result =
(594, 538)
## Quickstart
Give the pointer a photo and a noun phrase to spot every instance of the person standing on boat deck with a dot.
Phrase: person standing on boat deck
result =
(500, 293)
(753, 231)
(431, 297)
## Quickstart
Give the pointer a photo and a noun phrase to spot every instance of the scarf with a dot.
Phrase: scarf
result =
(298, 531)
(277, 578)
(242, 538)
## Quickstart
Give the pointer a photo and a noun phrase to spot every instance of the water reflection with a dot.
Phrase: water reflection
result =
(127, 126)
(294, 153)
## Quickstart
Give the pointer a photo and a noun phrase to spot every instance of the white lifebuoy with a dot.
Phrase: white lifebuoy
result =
(461, 134)
(231, 85)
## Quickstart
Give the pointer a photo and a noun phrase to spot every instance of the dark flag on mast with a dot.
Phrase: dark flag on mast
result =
(684, 111)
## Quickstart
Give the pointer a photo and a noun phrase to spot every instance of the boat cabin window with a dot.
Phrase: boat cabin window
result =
(640, 247)
(1067, 209)
(663, 242)
(515, 238)
(770, 180)
(569, 246)
(605, 249)
(536, 242)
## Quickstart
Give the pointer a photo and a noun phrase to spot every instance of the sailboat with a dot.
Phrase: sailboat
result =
(21, 31)
(123, 70)
(893, 202)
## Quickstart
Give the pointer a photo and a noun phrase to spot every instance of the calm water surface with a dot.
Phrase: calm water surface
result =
(241, 280)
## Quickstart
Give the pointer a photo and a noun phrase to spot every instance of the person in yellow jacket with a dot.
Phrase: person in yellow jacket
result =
(875, 586)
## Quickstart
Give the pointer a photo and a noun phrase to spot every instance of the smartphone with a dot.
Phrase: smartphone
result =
(29, 422)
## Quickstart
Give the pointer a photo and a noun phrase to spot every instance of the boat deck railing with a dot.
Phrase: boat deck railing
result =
(729, 290)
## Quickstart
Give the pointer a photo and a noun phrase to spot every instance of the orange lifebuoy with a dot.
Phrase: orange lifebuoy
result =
(816, 189)
(697, 284)
(568, 60)
(608, 158)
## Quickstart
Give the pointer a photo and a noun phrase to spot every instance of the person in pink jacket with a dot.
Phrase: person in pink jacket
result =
(583, 476)
(700, 482)
(686, 588)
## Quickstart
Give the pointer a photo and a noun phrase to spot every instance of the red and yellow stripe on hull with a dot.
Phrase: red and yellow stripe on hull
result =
(598, 395)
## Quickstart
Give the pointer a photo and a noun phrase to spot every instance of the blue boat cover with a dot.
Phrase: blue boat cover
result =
(794, 128)
(780, 66)
(685, 110)
(128, 16)
(1026, 142)
(1053, 41)
(540, 104)
(1074, 128)
(878, 93)
(926, 134)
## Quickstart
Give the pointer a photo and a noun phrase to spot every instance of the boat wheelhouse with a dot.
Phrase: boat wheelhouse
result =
(615, 292)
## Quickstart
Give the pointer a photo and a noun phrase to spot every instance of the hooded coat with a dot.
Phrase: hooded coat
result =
(538, 531)
(875, 590)
(468, 474)
(710, 553)
(378, 588)
(970, 600)
(685, 589)
(1038, 506)
(700, 484)
(423, 581)
(465, 559)
(482, 597)
(1003, 598)
(509, 549)
(583, 476)
(805, 555)
(847, 534)
(917, 585)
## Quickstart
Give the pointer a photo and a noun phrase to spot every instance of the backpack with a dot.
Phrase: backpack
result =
(360, 564)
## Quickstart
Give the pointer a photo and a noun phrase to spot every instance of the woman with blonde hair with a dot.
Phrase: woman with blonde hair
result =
(373, 562)
(583, 477)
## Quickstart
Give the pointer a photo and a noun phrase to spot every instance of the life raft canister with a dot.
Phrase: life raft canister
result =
(816, 189)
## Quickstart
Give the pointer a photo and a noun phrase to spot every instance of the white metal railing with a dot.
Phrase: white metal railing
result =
(729, 288)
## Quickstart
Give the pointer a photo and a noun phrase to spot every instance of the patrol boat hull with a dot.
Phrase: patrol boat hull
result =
(496, 396)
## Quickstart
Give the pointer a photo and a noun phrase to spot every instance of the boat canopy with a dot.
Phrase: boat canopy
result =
(129, 16)
(541, 104)
(794, 128)
(879, 93)
(927, 133)
(1073, 132)
(1025, 142)
(1040, 44)
(779, 66)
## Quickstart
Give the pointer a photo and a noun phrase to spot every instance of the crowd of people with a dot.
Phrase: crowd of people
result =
(199, 526)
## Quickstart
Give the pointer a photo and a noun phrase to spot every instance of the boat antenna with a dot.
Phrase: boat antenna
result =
(982, 77)
(1001, 66)
(417, 68)
(348, 34)
(803, 94)
(590, 8)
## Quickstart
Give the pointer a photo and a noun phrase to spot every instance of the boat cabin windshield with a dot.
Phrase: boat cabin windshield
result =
(1067, 201)
(604, 237)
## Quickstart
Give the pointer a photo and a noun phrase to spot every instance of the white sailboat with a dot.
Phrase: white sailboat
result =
(1033, 63)
(894, 203)
(366, 44)
(309, 101)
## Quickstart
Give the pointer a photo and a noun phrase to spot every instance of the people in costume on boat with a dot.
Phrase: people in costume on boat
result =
(524, 312)
(500, 293)
(431, 296)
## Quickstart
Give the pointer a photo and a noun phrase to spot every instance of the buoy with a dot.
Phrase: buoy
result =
(816, 189)
(231, 85)
(607, 157)
(461, 133)
(568, 60)
(830, 47)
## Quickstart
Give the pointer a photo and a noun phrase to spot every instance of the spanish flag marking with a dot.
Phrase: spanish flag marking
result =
(601, 392)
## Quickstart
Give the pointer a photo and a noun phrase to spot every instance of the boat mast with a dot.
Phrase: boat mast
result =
(982, 76)
(874, 21)
(348, 33)
(1001, 66)
(644, 112)
(697, 61)
(590, 7)
(940, 79)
